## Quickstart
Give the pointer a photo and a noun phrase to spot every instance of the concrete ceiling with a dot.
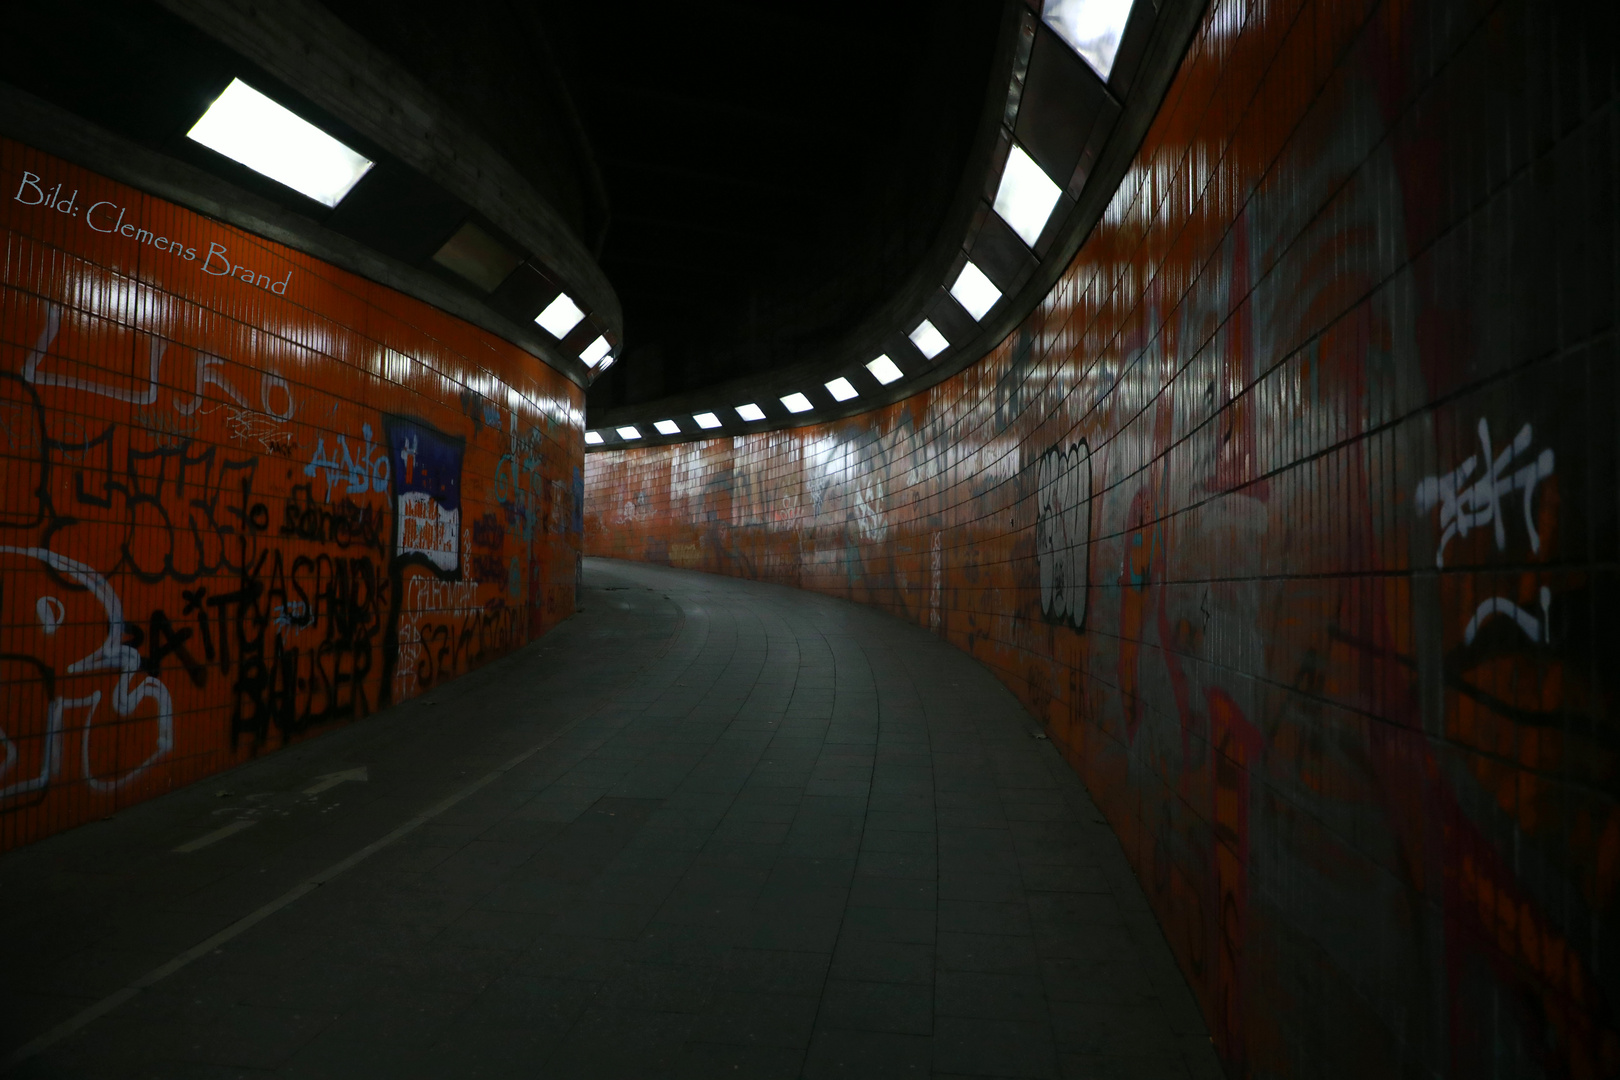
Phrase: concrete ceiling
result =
(754, 178)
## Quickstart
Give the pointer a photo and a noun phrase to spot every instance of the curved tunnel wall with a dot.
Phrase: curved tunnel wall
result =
(1291, 511)
(243, 495)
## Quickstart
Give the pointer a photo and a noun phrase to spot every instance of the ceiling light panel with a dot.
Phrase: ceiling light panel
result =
(593, 438)
(1093, 28)
(929, 341)
(596, 352)
(797, 403)
(706, 420)
(249, 128)
(975, 292)
(667, 427)
(884, 370)
(630, 431)
(1026, 196)
(750, 412)
(560, 316)
(842, 389)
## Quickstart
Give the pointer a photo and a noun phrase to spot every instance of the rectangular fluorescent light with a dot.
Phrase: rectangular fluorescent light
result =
(706, 420)
(628, 432)
(560, 316)
(596, 352)
(1093, 28)
(750, 412)
(1026, 196)
(841, 389)
(667, 427)
(797, 403)
(884, 370)
(975, 292)
(593, 438)
(929, 340)
(249, 128)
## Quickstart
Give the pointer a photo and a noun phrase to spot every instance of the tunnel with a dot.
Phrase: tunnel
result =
(991, 538)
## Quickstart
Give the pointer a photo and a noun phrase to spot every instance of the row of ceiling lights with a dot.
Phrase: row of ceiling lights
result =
(1024, 200)
(257, 131)
(561, 316)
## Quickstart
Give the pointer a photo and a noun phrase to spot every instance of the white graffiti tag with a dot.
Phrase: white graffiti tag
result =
(112, 656)
(1063, 533)
(47, 337)
(1536, 628)
(1464, 508)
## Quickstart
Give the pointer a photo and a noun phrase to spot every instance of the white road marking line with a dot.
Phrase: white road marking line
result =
(332, 780)
(214, 837)
(247, 922)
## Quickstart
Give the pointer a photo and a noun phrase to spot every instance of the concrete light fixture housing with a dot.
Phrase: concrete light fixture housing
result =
(560, 316)
(976, 293)
(1026, 195)
(1093, 28)
(929, 341)
(270, 139)
(750, 412)
(596, 352)
(884, 370)
(706, 420)
(473, 254)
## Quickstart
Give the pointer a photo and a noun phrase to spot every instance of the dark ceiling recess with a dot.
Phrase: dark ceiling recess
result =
(491, 63)
(775, 171)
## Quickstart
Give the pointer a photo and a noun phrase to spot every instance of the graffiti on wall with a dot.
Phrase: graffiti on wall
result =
(1279, 519)
(1063, 532)
(219, 529)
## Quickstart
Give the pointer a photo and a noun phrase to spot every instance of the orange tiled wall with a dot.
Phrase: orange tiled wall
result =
(244, 495)
(1292, 512)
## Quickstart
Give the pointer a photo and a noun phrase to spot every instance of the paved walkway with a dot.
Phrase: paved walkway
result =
(707, 828)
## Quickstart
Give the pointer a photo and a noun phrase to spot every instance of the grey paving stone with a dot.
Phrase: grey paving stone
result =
(842, 1054)
(878, 1006)
(705, 1061)
(977, 1047)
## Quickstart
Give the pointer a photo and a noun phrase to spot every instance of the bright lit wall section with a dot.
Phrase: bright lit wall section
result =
(596, 352)
(975, 292)
(249, 128)
(593, 438)
(630, 431)
(797, 402)
(706, 420)
(667, 427)
(842, 389)
(560, 316)
(750, 412)
(1092, 28)
(884, 370)
(929, 341)
(1026, 196)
